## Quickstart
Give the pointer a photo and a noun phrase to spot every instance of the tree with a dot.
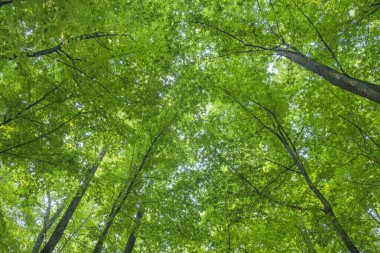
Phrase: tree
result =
(132, 237)
(264, 28)
(267, 152)
(62, 224)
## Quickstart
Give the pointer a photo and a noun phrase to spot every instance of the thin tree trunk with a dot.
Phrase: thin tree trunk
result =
(62, 224)
(124, 193)
(132, 237)
(121, 198)
(281, 134)
(111, 217)
(47, 225)
(327, 208)
(359, 87)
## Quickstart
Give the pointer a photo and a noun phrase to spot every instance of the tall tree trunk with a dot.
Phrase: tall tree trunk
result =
(327, 208)
(116, 207)
(124, 193)
(121, 198)
(62, 224)
(278, 131)
(132, 237)
(359, 87)
(47, 225)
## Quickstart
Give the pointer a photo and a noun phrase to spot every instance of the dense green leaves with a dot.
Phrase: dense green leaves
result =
(214, 129)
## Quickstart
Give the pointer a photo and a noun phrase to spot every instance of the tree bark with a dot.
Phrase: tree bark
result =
(132, 237)
(118, 203)
(62, 224)
(359, 87)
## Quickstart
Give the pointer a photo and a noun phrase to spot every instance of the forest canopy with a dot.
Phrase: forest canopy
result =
(189, 126)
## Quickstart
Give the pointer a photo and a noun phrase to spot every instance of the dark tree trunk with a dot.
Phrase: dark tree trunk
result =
(62, 224)
(118, 203)
(359, 87)
(132, 237)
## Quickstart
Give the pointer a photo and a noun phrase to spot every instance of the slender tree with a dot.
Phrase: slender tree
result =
(132, 235)
(62, 224)
(127, 188)
(47, 224)
(279, 131)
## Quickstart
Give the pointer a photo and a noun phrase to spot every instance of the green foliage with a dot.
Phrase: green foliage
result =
(79, 75)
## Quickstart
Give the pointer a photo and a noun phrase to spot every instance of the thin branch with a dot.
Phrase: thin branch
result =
(369, 13)
(58, 48)
(272, 30)
(299, 134)
(86, 75)
(40, 136)
(6, 121)
(360, 130)
(76, 231)
(263, 195)
(236, 37)
(321, 38)
(283, 166)
(249, 111)
(31, 158)
(274, 180)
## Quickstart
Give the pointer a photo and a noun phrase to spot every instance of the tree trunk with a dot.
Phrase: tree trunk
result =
(327, 208)
(62, 224)
(118, 203)
(47, 225)
(132, 237)
(121, 198)
(359, 87)
(123, 194)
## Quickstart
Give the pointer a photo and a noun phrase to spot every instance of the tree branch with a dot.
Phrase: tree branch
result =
(58, 48)
(7, 120)
(321, 38)
(86, 75)
(260, 193)
(235, 37)
(40, 136)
